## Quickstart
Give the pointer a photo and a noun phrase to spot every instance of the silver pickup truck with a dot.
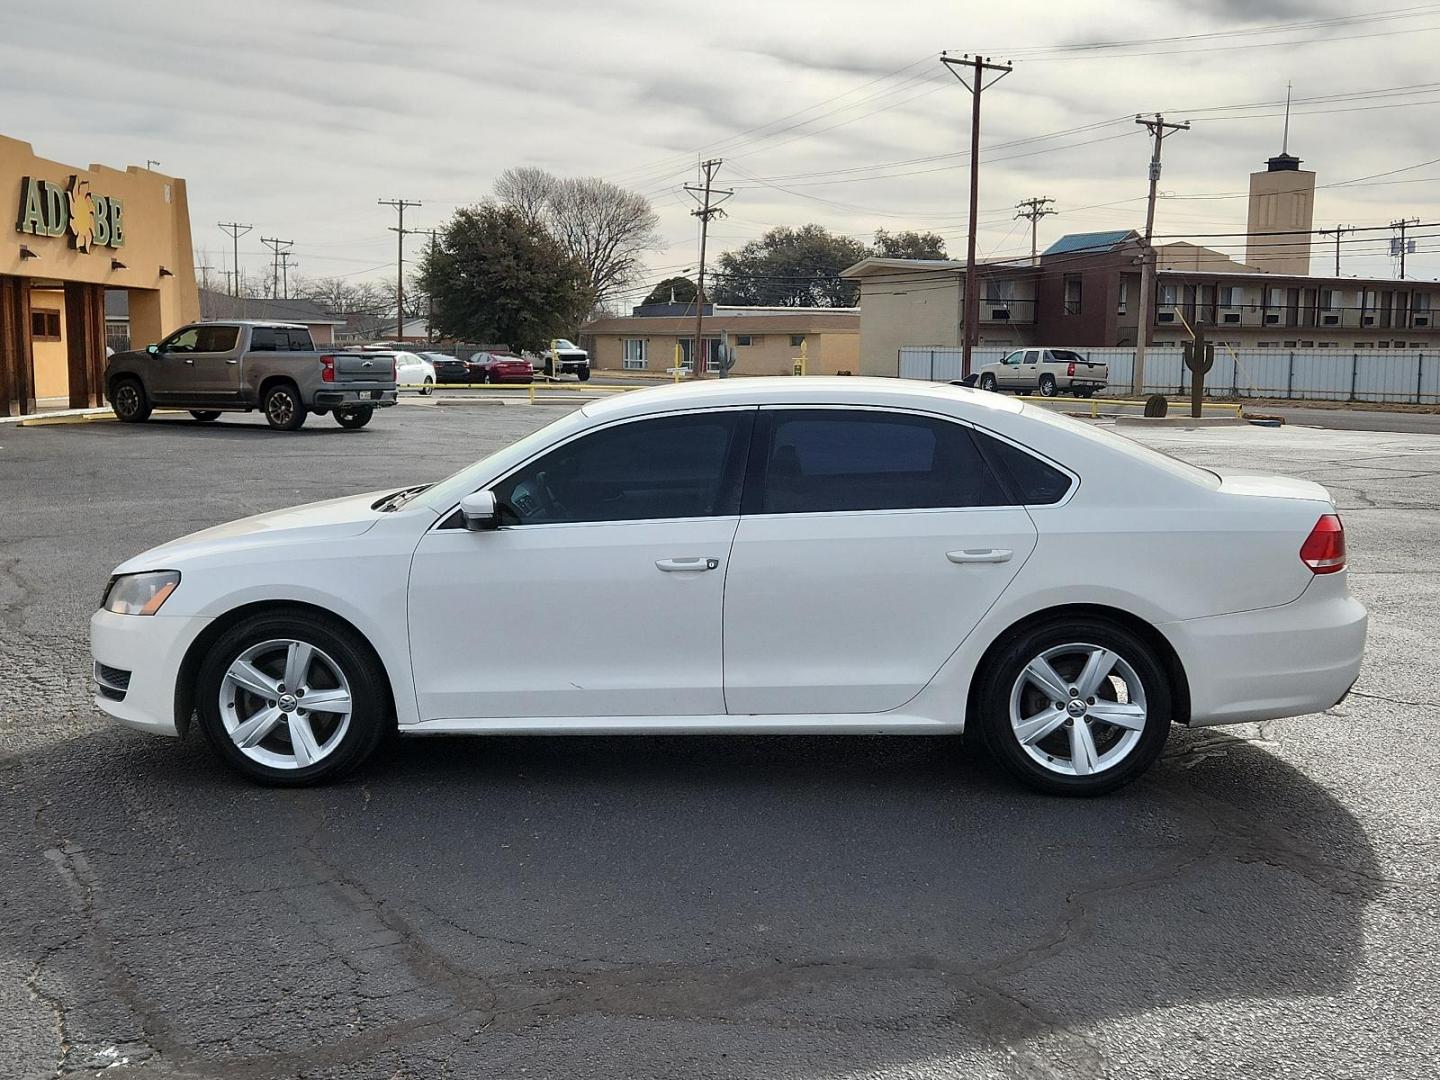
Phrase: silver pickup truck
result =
(1045, 371)
(238, 365)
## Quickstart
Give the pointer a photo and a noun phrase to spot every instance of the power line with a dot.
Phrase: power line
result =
(1033, 210)
(275, 245)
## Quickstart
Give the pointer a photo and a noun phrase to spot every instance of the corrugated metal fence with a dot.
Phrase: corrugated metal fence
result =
(1398, 375)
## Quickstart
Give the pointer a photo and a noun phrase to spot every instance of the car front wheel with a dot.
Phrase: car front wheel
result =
(129, 401)
(1075, 707)
(292, 698)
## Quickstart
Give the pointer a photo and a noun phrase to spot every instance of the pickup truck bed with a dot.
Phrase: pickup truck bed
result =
(237, 366)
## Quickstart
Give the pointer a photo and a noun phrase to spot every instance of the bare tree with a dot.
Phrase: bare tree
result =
(602, 224)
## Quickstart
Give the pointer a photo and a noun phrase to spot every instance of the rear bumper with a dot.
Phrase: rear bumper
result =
(1300, 658)
(149, 649)
(331, 398)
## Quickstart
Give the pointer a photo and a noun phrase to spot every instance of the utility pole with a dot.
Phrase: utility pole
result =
(285, 274)
(399, 231)
(977, 85)
(204, 272)
(430, 293)
(275, 245)
(709, 199)
(236, 230)
(1159, 129)
(1338, 231)
(1398, 245)
(1034, 210)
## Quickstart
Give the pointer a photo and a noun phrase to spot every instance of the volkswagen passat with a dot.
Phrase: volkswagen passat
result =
(779, 555)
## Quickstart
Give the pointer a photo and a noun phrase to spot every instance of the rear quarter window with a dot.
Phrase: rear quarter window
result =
(1032, 481)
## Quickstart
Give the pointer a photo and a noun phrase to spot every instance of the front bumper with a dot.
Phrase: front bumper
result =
(377, 399)
(149, 648)
(1292, 660)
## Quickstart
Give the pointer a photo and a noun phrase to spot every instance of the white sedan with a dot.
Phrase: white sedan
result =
(754, 555)
(414, 372)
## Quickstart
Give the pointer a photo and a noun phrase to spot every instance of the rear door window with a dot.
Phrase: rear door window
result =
(300, 340)
(828, 460)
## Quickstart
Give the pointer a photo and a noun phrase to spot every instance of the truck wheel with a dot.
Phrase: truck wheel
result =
(583, 373)
(283, 408)
(987, 382)
(129, 401)
(205, 415)
(1047, 386)
(353, 419)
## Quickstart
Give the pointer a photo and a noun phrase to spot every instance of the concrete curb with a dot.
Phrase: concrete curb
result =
(97, 416)
(1182, 421)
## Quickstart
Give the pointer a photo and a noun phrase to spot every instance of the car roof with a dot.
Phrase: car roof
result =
(809, 390)
(250, 322)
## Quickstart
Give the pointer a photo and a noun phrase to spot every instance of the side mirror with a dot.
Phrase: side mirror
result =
(153, 350)
(480, 511)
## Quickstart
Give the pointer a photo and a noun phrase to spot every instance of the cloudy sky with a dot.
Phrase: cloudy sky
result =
(297, 115)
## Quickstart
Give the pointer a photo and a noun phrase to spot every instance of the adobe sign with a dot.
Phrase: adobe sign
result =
(91, 220)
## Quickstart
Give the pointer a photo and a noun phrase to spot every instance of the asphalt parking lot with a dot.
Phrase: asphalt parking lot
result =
(1265, 903)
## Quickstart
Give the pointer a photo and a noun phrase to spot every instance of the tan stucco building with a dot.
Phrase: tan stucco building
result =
(764, 341)
(77, 233)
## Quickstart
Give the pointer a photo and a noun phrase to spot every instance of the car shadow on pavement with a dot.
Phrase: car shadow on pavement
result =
(625, 906)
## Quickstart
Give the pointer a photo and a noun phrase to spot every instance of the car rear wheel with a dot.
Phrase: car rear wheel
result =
(1047, 386)
(987, 382)
(353, 419)
(428, 388)
(1075, 707)
(129, 401)
(283, 408)
(292, 698)
(205, 415)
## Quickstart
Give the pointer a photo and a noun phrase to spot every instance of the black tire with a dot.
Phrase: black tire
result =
(428, 388)
(205, 415)
(284, 410)
(1023, 393)
(1001, 678)
(370, 718)
(987, 382)
(584, 373)
(354, 418)
(129, 401)
(1047, 386)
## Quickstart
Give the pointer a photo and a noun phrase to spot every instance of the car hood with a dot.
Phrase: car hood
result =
(333, 519)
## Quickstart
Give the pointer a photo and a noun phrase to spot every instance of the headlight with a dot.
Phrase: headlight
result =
(140, 594)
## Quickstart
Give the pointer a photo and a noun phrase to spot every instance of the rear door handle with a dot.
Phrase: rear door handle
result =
(690, 565)
(190, 362)
(232, 361)
(980, 555)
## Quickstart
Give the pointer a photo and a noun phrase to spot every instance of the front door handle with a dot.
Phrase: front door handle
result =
(980, 555)
(232, 361)
(190, 362)
(690, 565)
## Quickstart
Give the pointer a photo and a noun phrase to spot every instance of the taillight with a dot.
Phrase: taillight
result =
(1071, 369)
(394, 370)
(1324, 549)
(327, 369)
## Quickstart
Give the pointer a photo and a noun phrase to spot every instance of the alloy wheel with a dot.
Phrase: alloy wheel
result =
(1078, 709)
(280, 408)
(285, 703)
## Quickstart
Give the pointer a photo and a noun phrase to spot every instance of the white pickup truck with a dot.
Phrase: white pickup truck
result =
(1045, 371)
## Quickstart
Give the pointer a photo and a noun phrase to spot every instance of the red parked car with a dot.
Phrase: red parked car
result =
(502, 368)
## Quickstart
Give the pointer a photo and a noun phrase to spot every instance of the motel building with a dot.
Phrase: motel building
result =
(76, 235)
